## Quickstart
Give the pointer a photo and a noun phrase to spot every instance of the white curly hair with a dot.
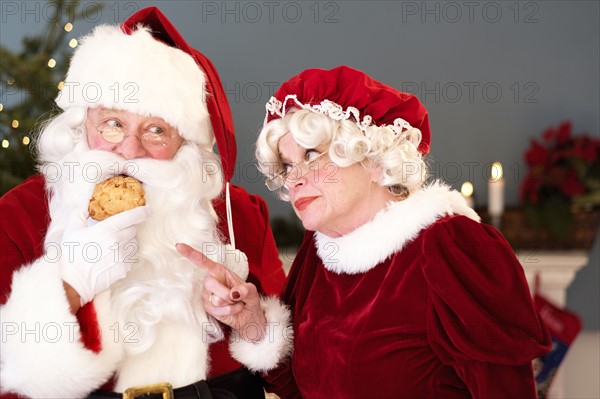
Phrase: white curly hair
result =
(403, 170)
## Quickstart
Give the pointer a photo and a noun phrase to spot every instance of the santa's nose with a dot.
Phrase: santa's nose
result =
(131, 148)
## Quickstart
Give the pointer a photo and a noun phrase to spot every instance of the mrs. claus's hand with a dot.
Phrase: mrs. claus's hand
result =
(228, 298)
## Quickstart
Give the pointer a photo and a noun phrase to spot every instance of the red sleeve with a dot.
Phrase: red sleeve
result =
(10, 259)
(23, 227)
(481, 319)
(281, 380)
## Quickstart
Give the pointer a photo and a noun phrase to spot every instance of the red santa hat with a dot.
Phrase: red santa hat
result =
(346, 93)
(146, 67)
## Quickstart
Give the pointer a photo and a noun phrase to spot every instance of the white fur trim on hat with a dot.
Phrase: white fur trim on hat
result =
(274, 347)
(390, 230)
(139, 74)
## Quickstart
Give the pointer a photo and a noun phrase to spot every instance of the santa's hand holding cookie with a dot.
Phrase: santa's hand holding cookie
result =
(115, 210)
(114, 245)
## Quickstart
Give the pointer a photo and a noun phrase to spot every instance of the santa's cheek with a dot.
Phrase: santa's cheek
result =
(97, 143)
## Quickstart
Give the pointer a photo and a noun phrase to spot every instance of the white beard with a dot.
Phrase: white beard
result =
(163, 289)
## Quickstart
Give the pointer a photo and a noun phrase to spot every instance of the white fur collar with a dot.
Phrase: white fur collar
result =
(391, 229)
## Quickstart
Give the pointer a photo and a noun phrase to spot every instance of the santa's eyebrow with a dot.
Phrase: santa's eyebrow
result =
(104, 111)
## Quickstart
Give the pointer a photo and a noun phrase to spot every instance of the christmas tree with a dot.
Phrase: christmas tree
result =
(30, 81)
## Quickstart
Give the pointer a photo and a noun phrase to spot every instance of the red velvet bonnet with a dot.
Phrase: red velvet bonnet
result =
(344, 92)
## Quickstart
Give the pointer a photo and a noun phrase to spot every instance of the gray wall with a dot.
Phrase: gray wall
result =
(492, 74)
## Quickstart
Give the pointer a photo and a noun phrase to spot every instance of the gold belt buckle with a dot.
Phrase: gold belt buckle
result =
(164, 387)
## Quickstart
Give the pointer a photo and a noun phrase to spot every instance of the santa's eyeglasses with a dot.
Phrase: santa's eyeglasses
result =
(154, 137)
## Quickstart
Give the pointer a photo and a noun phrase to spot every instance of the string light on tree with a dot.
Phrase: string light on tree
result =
(60, 85)
(36, 88)
(4, 143)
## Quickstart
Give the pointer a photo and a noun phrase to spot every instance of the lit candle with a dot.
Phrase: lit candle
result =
(496, 194)
(467, 192)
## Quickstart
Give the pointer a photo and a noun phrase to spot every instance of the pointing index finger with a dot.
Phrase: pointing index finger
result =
(198, 258)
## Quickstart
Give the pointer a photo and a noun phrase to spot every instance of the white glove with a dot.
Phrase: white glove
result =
(94, 257)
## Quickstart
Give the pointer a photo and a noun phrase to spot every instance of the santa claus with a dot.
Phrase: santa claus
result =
(99, 308)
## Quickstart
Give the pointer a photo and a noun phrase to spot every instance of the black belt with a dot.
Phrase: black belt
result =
(238, 384)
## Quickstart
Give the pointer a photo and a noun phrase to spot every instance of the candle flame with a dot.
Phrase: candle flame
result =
(467, 189)
(496, 171)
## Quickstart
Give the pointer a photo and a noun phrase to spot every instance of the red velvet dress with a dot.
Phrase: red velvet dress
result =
(25, 220)
(443, 312)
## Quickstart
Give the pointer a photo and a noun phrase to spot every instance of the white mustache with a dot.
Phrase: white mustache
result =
(94, 166)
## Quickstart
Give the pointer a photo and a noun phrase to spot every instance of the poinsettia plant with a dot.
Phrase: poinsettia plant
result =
(563, 176)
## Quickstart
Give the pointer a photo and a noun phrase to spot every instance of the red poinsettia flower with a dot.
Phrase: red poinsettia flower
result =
(563, 175)
(549, 134)
(572, 186)
(586, 148)
(537, 154)
(556, 175)
(558, 136)
(529, 189)
(559, 164)
(564, 133)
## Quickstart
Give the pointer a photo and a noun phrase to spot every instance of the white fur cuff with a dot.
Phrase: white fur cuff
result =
(41, 353)
(274, 347)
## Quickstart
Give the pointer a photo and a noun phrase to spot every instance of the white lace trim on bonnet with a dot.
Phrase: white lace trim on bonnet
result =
(335, 112)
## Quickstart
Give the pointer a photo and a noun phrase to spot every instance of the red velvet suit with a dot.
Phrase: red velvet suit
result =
(448, 315)
(25, 220)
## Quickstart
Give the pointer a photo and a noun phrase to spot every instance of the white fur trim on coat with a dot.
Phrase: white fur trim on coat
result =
(274, 347)
(42, 355)
(390, 230)
(140, 74)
